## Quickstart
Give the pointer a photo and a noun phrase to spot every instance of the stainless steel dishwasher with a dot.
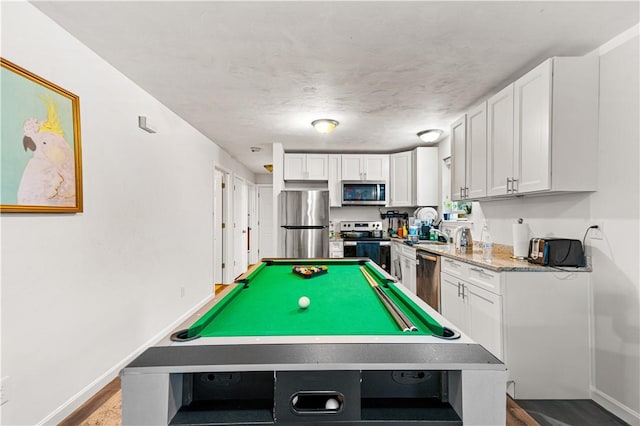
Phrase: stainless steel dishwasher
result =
(428, 278)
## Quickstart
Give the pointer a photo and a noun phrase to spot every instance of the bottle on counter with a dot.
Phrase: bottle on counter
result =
(486, 242)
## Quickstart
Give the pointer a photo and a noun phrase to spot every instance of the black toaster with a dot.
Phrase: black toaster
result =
(556, 252)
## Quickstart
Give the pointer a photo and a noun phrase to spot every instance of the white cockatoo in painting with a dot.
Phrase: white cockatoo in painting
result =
(48, 178)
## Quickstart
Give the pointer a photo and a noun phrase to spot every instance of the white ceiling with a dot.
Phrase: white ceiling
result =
(254, 73)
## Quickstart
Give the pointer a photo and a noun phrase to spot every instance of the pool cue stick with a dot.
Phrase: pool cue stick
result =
(403, 322)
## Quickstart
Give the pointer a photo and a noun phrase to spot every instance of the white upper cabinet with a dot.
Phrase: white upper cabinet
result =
(543, 129)
(306, 166)
(401, 179)
(500, 141)
(414, 177)
(335, 180)
(469, 155)
(372, 167)
(476, 158)
(425, 170)
(458, 158)
(532, 115)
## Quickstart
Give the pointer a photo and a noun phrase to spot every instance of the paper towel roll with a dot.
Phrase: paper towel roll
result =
(521, 237)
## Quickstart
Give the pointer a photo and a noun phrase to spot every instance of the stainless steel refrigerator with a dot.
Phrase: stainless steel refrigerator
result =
(304, 224)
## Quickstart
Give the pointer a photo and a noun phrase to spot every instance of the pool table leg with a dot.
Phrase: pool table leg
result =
(479, 396)
(145, 396)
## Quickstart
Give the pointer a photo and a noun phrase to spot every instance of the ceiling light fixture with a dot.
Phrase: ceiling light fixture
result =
(255, 149)
(324, 125)
(430, 135)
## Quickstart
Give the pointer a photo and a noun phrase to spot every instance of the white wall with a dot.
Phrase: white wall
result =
(615, 278)
(82, 292)
(616, 287)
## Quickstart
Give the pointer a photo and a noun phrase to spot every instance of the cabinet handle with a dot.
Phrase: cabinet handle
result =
(448, 260)
(466, 192)
(476, 269)
(514, 187)
(459, 285)
(508, 182)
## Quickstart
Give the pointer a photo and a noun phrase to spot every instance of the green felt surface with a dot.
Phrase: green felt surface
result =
(342, 303)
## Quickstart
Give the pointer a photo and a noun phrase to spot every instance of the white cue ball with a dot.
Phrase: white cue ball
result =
(304, 302)
(331, 404)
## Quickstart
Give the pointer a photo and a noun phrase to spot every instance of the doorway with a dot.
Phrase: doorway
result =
(220, 205)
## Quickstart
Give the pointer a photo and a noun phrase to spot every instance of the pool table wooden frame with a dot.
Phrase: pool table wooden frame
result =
(153, 386)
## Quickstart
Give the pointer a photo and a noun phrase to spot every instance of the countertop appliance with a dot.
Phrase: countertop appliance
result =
(428, 278)
(366, 239)
(304, 224)
(364, 193)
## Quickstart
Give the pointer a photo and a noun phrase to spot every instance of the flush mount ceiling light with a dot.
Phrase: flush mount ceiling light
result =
(255, 149)
(324, 125)
(430, 135)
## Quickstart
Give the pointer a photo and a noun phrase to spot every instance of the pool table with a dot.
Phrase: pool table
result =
(254, 356)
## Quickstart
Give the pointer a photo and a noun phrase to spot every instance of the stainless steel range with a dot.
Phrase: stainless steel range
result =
(366, 239)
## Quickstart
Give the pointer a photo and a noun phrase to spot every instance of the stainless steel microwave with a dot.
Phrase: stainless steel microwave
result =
(364, 193)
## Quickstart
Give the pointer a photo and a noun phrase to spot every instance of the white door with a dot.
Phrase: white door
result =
(484, 318)
(500, 141)
(266, 246)
(532, 156)
(453, 307)
(252, 199)
(458, 158)
(476, 154)
(240, 226)
(218, 231)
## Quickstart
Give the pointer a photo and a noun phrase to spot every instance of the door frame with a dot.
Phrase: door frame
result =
(226, 214)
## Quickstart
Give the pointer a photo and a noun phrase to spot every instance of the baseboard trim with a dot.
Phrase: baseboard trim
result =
(615, 407)
(73, 403)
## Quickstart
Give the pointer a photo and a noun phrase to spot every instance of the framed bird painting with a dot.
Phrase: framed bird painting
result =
(41, 161)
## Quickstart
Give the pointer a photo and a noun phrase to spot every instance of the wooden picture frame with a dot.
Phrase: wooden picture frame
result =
(40, 153)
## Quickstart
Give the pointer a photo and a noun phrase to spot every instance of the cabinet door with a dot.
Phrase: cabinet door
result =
(453, 307)
(352, 167)
(532, 154)
(500, 141)
(476, 153)
(401, 179)
(295, 166)
(376, 167)
(458, 158)
(426, 179)
(317, 166)
(334, 181)
(409, 273)
(484, 318)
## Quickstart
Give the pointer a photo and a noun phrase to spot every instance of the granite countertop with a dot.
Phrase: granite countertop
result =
(501, 260)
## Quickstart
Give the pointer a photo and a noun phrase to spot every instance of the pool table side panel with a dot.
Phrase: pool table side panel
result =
(435, 356)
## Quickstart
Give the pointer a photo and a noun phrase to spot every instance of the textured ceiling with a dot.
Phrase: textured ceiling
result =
(254, 73)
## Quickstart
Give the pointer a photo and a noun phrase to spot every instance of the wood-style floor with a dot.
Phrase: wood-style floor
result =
(103, 409)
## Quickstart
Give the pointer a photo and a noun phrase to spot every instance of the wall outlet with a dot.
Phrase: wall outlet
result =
(597, 233)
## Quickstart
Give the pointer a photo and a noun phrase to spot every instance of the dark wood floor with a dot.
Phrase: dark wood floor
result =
(103, 409)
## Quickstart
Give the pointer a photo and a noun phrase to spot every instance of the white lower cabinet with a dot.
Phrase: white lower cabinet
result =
(403, 265)
(476, 311)
(537, 323)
